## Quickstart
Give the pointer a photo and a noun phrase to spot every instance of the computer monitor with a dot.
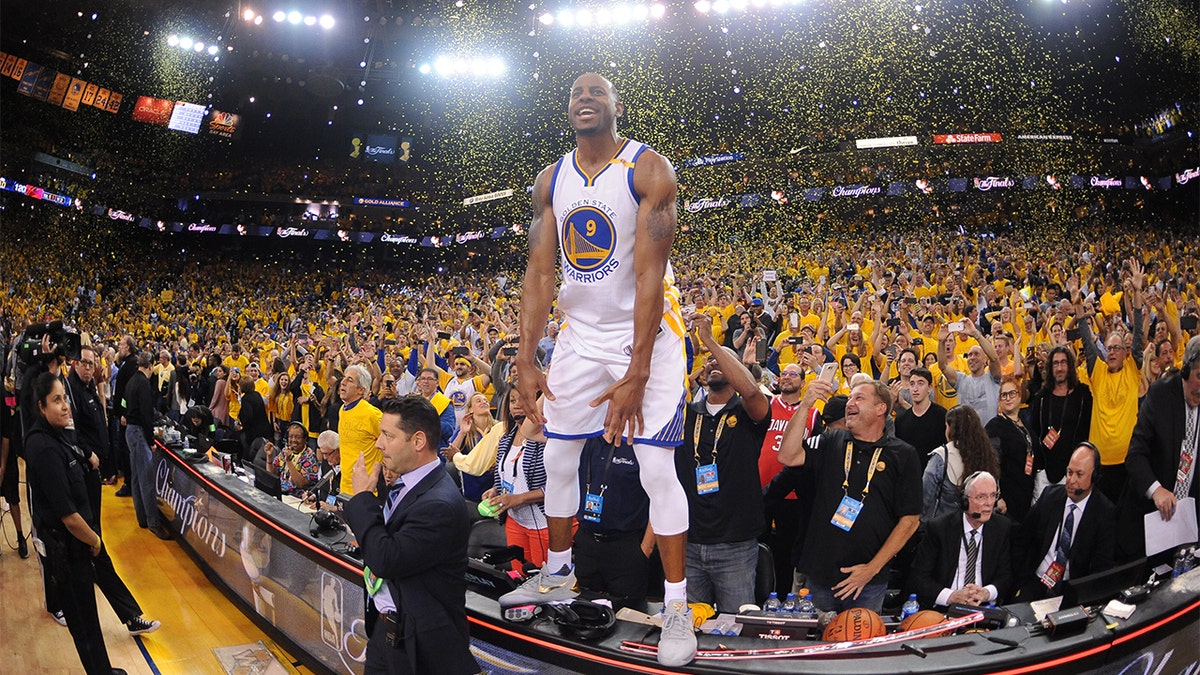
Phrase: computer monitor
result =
(1103, 586)
(267, 482)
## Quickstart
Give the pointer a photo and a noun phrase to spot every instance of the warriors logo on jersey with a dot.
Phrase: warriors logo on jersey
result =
(588, 241)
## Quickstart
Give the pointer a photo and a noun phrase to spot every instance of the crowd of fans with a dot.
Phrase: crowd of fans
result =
(262, 343)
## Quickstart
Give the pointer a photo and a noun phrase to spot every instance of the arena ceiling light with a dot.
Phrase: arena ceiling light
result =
(463, 67)
(293, 17)
(727, 6)
(601, 16)
(188, 44)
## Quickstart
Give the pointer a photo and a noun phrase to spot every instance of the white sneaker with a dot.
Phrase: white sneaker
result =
(677, 643)
(543, 587)
(59, 617)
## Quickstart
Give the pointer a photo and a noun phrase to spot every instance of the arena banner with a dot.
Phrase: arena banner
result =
(814, 194)
(1105, 182)
(749, 201)
(149, 109)
(703, 203)
(28, 79)
(89, 93)
(857, 190)
(114, 102)
(885, 142)
(316, 608)
(1045, 137)
(398, 239)
(101, 100)
(382, 202)
(45, 80)
(490, 196)
(18, 70)
(58, 90)
(6, 64)
(290, 232)
(34, 192)
(224, 124)
(714, 159)
(74, 94)
(380, 148)
(949, 139)
(993, 183)
(1186, 175)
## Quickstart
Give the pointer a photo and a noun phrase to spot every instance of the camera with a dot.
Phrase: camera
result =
(66, 343)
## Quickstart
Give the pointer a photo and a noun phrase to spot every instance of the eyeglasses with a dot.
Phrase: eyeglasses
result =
(1008, 394)
(985, 498)
(89, 364)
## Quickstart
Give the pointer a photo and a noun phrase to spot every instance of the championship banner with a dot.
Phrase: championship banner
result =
(381, 148)
(6, 68)
(29, 76)
(887, 142)
(74, 94)
(59, 89)
(89, 93)
(45, 80)
(114, 102)
(948, 139)
(499, 194)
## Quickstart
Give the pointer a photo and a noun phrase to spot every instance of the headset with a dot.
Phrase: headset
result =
(583, 620)
(1186, 370)
(964, 502)
(1096, 470)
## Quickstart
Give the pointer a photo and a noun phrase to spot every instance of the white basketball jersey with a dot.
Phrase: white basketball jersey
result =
(596, 219)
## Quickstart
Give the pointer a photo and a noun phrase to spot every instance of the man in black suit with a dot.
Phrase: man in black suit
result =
(965, 558)
(414, 544)
(1068, 532)
(1161, 462)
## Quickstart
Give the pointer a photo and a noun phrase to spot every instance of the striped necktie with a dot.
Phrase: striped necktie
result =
(972, 559)
(393, 498)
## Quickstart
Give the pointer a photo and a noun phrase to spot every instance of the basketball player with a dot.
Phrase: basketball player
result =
(607, 210)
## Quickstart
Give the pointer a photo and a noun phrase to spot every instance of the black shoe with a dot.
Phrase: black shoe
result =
(118, 671)
(22, 547)
(124, 490)
(161, 531)
(140, 626)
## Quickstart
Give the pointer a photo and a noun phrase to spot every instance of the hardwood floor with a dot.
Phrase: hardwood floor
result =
(195, 616)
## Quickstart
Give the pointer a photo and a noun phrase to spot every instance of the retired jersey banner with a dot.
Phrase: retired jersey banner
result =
(944, 139)
(114, 102)
(101, 100)
(7, 64)
(89, 93)
(45, 80)
(59, 89)
(74, 94)
(18, 69)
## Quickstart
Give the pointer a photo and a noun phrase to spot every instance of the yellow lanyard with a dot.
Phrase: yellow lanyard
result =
(716, 439)
(870, 469)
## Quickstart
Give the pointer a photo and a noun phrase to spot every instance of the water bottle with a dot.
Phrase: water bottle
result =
(910, 607)
(805, 609)
(772, 604)
(789, 605)
(1180, 565)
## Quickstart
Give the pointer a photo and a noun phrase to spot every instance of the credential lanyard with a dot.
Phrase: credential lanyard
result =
(870, 469)
(716, 438)
(612, 450)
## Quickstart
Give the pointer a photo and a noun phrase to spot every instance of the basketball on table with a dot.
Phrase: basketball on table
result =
(854, 624)
(924, 619)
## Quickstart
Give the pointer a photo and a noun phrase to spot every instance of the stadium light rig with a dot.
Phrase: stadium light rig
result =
(727, 6)
(186, 44)
(617, 14)
(464, 67)
(293, 17)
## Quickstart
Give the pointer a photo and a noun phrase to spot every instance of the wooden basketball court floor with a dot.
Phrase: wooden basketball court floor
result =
(196, 617)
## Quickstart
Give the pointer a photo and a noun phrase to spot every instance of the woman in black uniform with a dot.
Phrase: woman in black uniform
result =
(64, 519)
